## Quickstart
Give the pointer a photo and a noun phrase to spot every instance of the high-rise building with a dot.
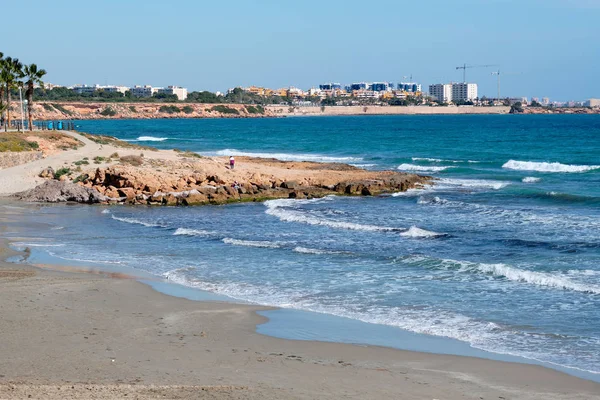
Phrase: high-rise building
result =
(447, 92)
(359, 86)
(330, 86)
(464, 91)
(381, 86)
(410, 87)
(441, 92)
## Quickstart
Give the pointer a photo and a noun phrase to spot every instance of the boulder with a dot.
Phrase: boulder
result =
(194, 199)
(61, 191)
(290, 185)
(47, 173)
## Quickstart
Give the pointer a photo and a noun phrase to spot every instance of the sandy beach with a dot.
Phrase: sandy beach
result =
(69, 335)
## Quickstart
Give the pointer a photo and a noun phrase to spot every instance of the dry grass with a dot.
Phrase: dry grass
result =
(113, 141)
(16, 142)
(136, 161)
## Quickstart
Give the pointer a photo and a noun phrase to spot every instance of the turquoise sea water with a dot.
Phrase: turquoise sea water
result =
(501, 255)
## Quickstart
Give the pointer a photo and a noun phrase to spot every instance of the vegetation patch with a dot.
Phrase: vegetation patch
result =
(188, 154)
(14, 142)
(113, 141)
(108, 112)
(99, 160)
(48, 107)
(136, 161)
(81, 178)
(169, 109)
(61, 172)
(225, 110)
(132, 109)
(187, 109)
(62, 109)
(81, 162)
(255, 109)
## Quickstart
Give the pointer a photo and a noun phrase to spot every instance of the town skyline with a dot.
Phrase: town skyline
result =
(215, 47)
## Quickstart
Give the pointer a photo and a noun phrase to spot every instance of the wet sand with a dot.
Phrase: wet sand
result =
(67, 335)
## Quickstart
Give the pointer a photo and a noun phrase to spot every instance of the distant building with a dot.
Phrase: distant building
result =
(330, 86)
(545, 101)
(143, 91)
(85, 89)
(115, 89)
(441, 92)
(464, 91)
(358, 86)
(410, 87)
(180, 92)
(592, 103)
(381, 86)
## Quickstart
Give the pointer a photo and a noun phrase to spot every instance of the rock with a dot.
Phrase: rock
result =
(216, 179)
(129, 193)
(170, 200)
(194, 199)
(290, 185)
(61, 191)
(366, 192)
(231, 191)
(47, 173)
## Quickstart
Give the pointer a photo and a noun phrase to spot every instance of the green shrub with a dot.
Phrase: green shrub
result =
(169, 109)
(255, 109)
(81, 162)
(14, 142)
(81, 178)
(225, 110)
(132, 109)
(99, 160)
(48, 107)
(187, 109)
(61, 172)
(62, 109)
(114, 155)
(132, 160)
(108, 112)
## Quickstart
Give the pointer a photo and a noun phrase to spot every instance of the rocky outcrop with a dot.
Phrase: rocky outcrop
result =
(54, 191)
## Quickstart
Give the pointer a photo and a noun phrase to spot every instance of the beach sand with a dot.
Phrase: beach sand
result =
(68, 335)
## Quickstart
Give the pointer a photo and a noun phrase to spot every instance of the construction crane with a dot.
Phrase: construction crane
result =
(464, 67)
(497, 73)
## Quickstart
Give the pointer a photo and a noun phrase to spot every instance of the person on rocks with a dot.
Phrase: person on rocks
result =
(231, 162)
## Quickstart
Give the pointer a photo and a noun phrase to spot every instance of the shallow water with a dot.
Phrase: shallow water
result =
(502, 254)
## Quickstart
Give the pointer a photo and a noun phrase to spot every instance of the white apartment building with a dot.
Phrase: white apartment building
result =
(447, 92)
(441, 92)
(121, 89)
(143, 91)
(592, 103)
(180, 92)
(85, 89)
(464, 91)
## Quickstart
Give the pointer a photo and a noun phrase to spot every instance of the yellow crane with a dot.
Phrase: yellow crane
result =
(464, 67)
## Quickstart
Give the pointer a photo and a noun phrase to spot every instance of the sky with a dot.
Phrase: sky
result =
(542, 48)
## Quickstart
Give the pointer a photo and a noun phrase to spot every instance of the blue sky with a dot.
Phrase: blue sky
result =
(546, 47)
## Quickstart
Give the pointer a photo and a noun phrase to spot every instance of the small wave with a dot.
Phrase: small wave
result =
(57, 228)
(151, 139)
(530, 179)
(474, 183)
(364, 165)
(421, 168)
(252, 243)
(307, 250)
(191, 232)
(84, 259)
(416, 232)
(441, 160)
(283, 210)
(288, 157)
(21, 244)
(548, 167)
(137, 222)
(105, 211)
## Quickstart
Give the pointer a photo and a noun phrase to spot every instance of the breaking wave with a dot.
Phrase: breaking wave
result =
(288, 157)
(137, 222)
(285, 211)
(415, 232)
(151, 139)
(306, 250)
(530, 179)
(548, 167)
(252, 243)
(421, 168)
(191, 232)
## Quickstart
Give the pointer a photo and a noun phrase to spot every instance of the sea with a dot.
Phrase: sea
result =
(499, 258)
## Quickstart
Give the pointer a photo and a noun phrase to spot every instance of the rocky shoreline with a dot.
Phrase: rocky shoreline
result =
(185, 186)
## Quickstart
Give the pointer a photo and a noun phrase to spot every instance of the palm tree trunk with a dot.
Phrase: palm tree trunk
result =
(29, 105)
(7, 105)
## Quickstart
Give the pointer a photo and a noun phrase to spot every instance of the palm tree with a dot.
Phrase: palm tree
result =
(12, 71)
(33, 76)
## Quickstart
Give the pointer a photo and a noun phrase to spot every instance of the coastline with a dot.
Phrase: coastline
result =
(112, 336)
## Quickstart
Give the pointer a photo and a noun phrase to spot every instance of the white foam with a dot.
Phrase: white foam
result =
(472, 183)
(252, 243)
(421, 168)
(287, 156)
(283, 209)
(57, 228)
(137, 222)
(537, 278)
(530, 179)
(151, 139)
(21, 244)
(416, 232)
(106, 211)
(191, 232)
(364, 165)
(307, 250)
(548, 167)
